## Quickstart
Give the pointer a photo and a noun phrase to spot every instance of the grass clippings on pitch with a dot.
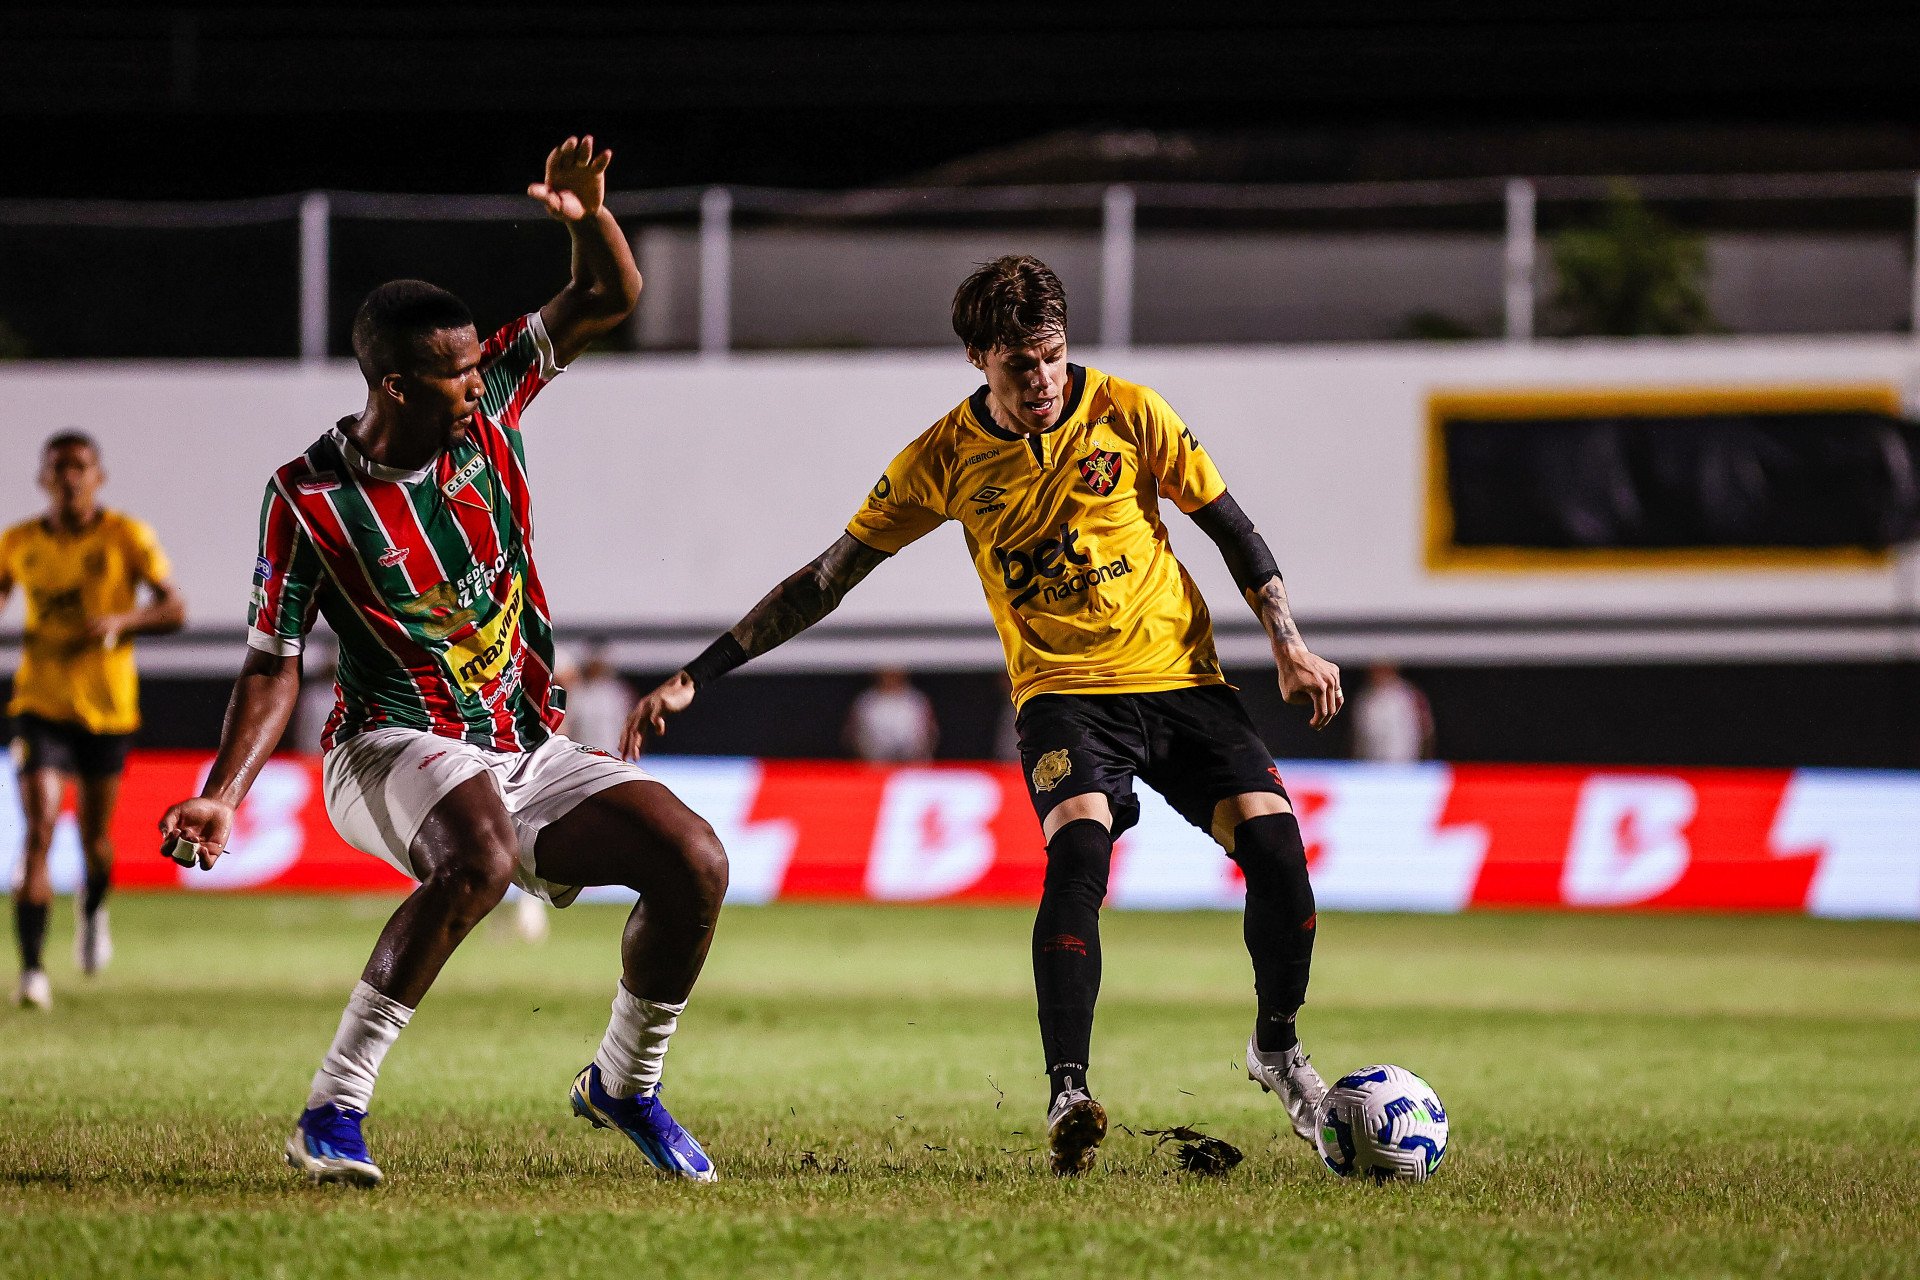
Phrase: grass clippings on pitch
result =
(1630, 1096)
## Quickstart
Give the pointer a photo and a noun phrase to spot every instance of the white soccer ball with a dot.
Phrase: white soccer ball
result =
(1384, 1123)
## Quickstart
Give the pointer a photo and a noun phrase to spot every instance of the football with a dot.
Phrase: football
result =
(1384, 1123)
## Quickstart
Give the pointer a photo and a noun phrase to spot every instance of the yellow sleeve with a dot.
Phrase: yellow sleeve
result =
(148, 557)
(1186, 473)
(9, 547)
(905, 504)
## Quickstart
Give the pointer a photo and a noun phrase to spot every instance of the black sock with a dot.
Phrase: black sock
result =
(97, 885)
(1280, 923)
(1066, 949)
(30, 926)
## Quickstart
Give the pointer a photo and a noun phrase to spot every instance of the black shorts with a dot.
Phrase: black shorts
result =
(67, 747)
(1194, 746)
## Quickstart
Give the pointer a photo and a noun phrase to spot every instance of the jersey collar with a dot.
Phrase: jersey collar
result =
(1077, 387)
(379, 470)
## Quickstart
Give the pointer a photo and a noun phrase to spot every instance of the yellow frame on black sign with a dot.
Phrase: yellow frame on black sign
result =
(1442, 556)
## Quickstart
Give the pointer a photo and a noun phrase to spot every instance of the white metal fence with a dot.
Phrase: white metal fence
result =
(1164, 264)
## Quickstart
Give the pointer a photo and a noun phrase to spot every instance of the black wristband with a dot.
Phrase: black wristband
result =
(718, 658)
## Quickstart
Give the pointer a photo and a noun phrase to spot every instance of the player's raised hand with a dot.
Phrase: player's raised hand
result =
(207, 823)
(576, 182)
(1311, 681)
(649, 716)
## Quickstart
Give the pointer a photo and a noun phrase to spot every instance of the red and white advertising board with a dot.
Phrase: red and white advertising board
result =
(1380, 838)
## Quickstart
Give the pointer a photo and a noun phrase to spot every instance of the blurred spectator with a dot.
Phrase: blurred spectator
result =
(891, 721)
(316, 697)
(1392, 723)
(598, 701)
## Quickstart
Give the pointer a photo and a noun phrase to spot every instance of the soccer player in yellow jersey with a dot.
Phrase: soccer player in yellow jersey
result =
(76, 696)
(1056, 474)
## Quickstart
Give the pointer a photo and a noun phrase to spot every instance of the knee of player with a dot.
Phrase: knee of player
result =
(705, 859)
(1079, 857)
(1271, 855)
(481, 875)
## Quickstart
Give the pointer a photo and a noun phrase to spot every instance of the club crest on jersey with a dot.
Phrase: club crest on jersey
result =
(1051, 769)
(393, 556)
(1101, 470)
(317, 482)
(464, 476)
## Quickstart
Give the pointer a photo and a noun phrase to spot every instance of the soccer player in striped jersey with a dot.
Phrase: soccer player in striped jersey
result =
(407, 527)
(1056, 472)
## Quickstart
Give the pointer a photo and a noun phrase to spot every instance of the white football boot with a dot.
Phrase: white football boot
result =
(1075, 1126)
(1291, 1077)
(35, 991)
(92, 941)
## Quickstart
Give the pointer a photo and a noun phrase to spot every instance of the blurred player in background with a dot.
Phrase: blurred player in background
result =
(76, 696)
(598, 701)
(1392, 721)
(408, 527)
(891, 722)
(318, 666)
(1055, 473)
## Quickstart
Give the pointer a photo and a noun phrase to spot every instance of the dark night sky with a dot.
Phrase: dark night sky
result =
(219, 101)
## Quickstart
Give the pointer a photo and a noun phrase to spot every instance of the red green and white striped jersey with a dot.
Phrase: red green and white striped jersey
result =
(426, 577)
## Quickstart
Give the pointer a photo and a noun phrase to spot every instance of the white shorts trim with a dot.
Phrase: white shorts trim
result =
(381, 785)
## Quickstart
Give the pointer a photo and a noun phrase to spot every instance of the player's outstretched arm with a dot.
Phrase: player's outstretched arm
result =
(790, 608)
(257, 714)
(606, 283)
(163, 615)
(1305, 677)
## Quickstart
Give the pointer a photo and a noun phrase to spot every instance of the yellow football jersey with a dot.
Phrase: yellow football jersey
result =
(69, 579)
(1064, 529)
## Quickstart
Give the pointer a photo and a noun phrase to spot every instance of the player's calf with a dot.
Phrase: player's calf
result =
(326, 1144)
(1280, 926)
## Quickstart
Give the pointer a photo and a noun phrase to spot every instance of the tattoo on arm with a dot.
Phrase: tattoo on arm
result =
(1269, 601)
(807, 596)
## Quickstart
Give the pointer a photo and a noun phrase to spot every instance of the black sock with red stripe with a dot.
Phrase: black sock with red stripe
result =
(30, 927)
(1280, 922)
(1066, 949)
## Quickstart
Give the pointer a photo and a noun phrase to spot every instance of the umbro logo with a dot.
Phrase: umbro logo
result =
(991, 493)
(430, 759)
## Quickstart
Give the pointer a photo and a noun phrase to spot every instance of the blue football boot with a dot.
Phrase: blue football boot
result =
(326, 1146)
(659, 1136)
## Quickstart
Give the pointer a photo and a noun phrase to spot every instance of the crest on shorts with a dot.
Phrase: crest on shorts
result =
(1052, 767)
(1101, 470)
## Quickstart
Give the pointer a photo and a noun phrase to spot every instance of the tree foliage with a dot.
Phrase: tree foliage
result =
(1633, 273)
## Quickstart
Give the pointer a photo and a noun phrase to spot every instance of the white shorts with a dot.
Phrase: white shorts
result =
(381, 785)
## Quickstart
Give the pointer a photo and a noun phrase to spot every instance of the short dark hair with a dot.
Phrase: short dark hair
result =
(390, 323)
(71, 436)
(1008, 303)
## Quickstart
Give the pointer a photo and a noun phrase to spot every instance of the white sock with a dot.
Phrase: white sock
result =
(367, 1030)
(635, 1044)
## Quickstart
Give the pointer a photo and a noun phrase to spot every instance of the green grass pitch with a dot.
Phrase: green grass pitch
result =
(1630, 1096)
